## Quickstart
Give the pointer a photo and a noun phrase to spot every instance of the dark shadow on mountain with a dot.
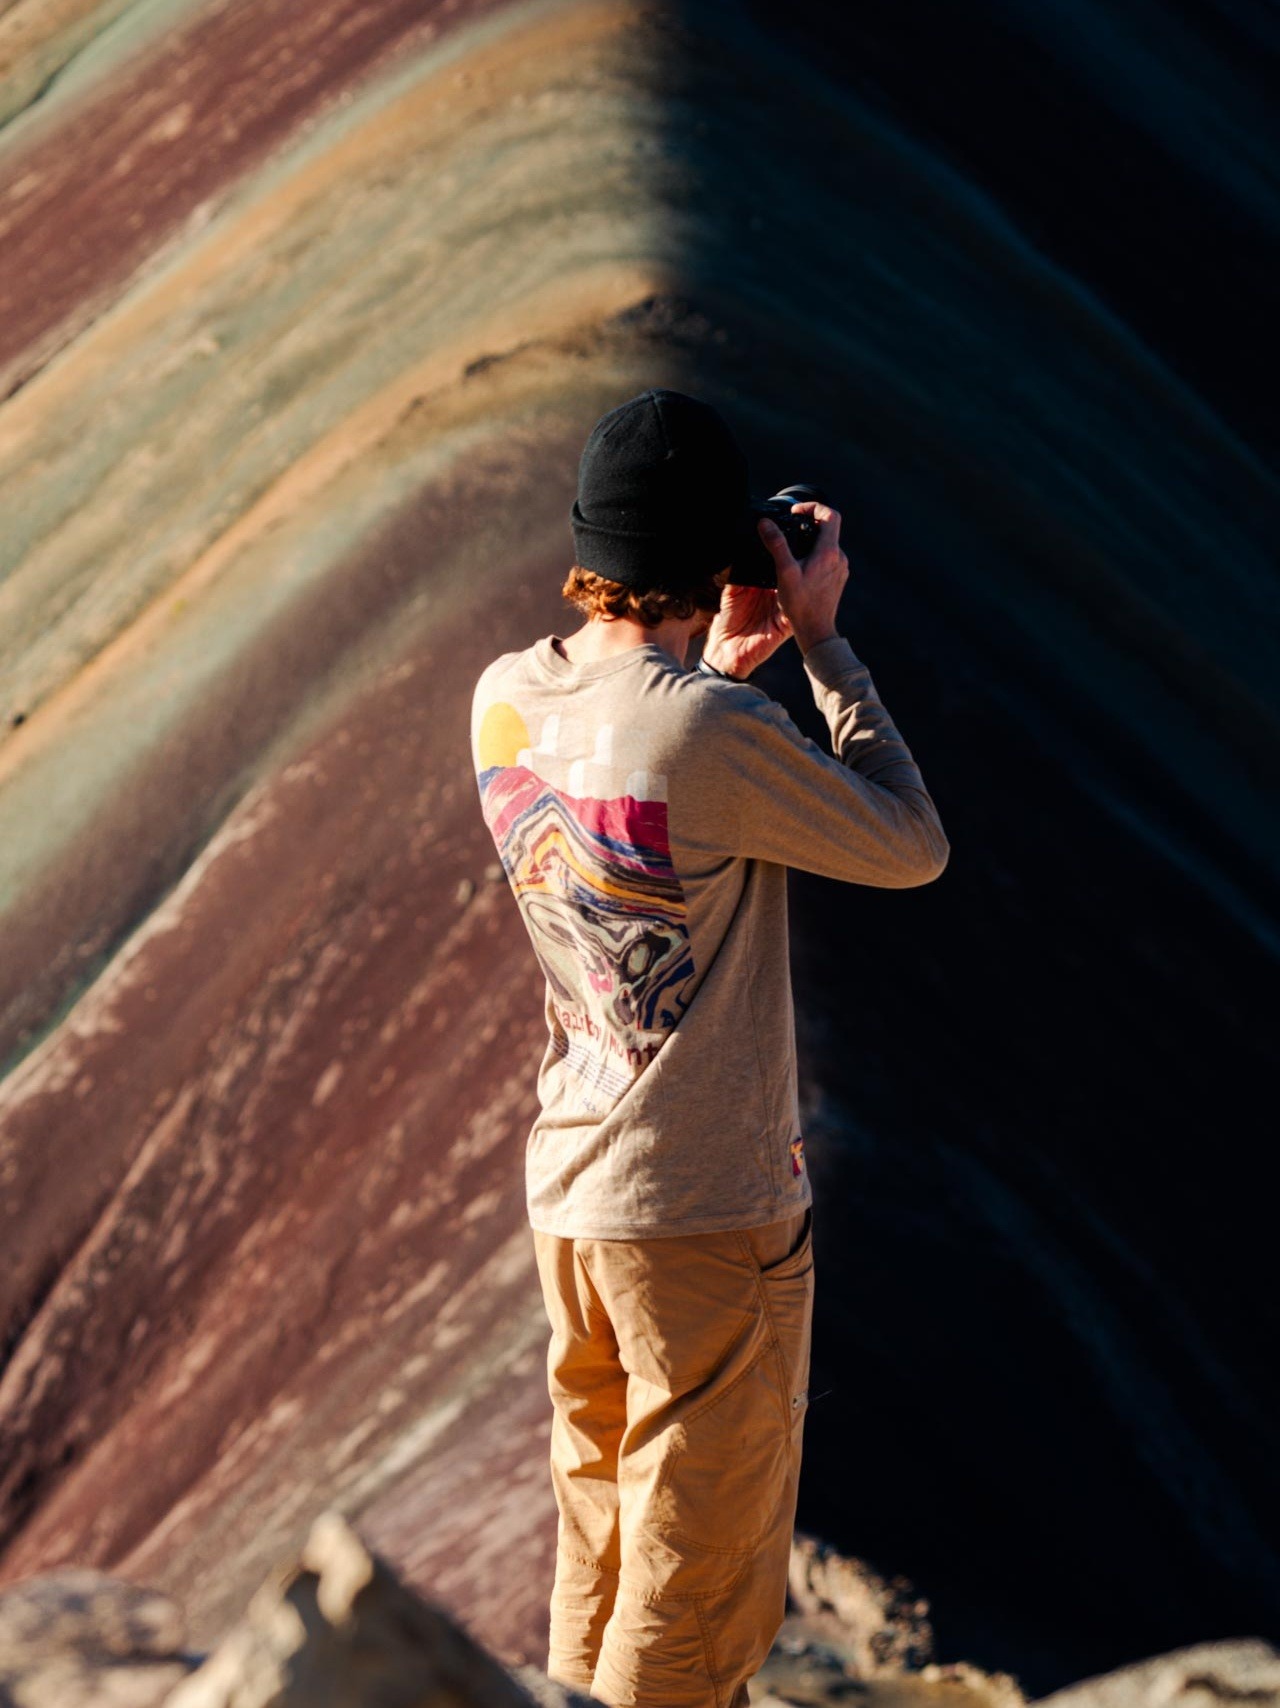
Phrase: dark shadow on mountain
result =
(939, 263)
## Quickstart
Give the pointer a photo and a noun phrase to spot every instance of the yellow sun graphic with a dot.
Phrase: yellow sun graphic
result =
(502, 735)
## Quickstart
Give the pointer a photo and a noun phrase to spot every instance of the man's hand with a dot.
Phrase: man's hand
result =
(749, 625)
(753, 622)
(809, 591)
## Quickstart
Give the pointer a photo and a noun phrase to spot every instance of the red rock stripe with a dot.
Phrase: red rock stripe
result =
(82, 207)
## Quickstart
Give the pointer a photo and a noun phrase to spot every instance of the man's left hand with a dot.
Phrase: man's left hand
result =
(748, 627)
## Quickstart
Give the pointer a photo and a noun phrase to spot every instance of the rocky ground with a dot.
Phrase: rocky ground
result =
(336, 1628)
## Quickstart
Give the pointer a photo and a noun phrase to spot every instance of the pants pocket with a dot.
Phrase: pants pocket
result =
(782, 1259)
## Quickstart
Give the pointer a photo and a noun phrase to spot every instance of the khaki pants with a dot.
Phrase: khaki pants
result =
(678, 1371)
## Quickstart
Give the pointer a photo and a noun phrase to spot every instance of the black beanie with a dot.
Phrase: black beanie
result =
(662, 490)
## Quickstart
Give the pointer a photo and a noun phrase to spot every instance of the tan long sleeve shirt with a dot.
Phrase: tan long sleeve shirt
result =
(645, 814)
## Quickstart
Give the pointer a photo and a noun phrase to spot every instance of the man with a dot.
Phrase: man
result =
(645, 813)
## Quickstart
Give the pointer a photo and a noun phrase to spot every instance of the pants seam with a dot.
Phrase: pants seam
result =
(775, 1340)
(745, 1552)
(591, 1565)
(709, 1649)
(657, 1598)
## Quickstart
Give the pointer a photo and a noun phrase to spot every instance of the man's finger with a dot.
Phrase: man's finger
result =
(828, 521)
(785, 566)
(776, 543)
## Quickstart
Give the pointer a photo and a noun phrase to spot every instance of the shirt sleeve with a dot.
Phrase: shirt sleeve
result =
(863, 815)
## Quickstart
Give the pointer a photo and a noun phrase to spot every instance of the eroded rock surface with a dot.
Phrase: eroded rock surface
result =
(337, 1629)
(80, 1638)
(1234, 1671)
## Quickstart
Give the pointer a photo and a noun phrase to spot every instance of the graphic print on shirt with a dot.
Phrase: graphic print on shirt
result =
(590, 864)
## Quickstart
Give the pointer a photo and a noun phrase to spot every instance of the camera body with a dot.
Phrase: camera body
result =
(752, 565)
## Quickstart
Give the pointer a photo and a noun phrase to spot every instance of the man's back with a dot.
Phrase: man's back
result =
(645, 814)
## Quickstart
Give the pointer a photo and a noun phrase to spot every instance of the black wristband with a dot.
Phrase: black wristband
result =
(710, 670)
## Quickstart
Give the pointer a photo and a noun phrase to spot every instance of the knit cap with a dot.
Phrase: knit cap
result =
(662, 491)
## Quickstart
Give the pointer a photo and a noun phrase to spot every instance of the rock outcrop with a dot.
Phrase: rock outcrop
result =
(336, 1628)
(880, 1623)
(1226, 1674)
(81, 1638)
(850, 1632)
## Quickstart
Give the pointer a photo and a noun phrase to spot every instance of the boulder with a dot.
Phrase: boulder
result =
(1234, 1670)
(79, 1638)
(337, 1629)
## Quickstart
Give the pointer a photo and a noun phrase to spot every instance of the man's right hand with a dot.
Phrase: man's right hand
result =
(809, 591)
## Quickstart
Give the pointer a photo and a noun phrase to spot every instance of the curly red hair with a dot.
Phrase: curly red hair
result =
(596, 596)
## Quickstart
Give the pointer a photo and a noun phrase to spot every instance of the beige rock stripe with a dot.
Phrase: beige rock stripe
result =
(39, 37)
(79, 44)
(441, 102)
(552, 316)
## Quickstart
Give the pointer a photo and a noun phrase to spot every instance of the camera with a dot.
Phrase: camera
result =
(752, 566)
